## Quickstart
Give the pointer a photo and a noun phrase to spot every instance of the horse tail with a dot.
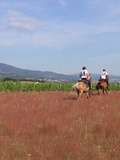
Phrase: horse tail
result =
(74, 88)
(98, 86)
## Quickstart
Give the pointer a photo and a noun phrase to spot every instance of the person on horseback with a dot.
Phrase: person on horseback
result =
(105, 77)
(84, 76)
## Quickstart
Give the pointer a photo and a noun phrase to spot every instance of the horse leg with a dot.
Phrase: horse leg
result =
(106, 91)
(81, 92)
(103, 91)
(88, 94)
(98, 92)
(78, 92)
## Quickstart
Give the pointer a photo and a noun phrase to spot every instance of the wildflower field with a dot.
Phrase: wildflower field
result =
(54, 125)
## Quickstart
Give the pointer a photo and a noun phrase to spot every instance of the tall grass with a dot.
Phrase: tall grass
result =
(54, 126)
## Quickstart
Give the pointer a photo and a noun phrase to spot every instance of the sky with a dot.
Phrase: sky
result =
(61, 36)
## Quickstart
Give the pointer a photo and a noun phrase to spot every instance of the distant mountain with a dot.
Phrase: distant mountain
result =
(8, 71)
(17, 73)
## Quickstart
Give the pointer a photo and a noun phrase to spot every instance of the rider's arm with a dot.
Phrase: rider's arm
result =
(87, 74)
(80, 74)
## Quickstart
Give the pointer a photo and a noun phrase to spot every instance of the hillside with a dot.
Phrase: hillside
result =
(18, 73)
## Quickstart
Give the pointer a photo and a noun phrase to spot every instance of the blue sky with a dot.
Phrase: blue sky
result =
(61, 36)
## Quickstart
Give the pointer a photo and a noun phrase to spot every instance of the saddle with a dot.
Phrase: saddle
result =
(84, 81)
(102, 80)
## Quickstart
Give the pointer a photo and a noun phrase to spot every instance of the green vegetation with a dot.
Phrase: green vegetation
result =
(43, 86)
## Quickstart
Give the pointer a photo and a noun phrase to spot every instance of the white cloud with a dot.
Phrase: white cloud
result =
(106, 27)
(115, 13)
(62, 2)
(53, 35)
(18, 21)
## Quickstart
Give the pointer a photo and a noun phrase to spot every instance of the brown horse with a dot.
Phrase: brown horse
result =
(103, 86)
(81, 87)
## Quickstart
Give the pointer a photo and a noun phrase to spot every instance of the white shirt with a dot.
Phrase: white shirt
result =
(84, 73)
(103, 75)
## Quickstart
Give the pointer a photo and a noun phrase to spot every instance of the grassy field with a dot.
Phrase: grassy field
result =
(55, 126)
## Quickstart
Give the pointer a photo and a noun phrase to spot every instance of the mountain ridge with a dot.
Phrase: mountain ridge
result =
(18, 73)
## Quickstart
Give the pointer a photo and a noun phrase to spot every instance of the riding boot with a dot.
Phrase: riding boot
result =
(108, 85)
(90, 89)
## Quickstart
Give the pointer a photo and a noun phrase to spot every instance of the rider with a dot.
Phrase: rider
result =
(104, 76)
(84, 75)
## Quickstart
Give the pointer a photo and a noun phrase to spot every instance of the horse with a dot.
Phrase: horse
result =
(81, 87)
(103, 86)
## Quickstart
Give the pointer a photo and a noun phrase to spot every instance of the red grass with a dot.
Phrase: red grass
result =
(55, 126)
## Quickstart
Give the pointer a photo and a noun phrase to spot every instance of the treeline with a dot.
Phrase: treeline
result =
(11, 85)
(18, 80)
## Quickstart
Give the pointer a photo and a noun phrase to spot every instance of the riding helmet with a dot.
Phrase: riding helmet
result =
(84, 68)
